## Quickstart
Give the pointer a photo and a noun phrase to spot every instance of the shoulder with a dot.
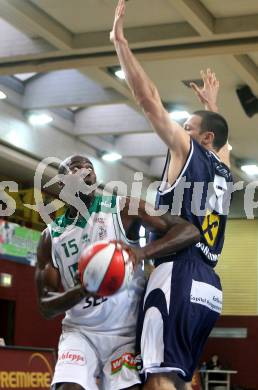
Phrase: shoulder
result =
(221, 169)
(44, 248)
(57, 226)
(103, 203)
(45, 238)
(209, 157)
(131, 203)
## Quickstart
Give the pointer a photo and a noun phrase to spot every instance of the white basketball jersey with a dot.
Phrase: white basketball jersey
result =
(116, 314)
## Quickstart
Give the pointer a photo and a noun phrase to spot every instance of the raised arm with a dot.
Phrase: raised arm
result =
(207, 95)
(175, 233)
(51, 301)
(145, 92)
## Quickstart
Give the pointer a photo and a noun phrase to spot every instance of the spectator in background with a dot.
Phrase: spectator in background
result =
(2, 342)
(213, 363)
(6, 231)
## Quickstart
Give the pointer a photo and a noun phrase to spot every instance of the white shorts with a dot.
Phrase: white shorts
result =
(96, 361)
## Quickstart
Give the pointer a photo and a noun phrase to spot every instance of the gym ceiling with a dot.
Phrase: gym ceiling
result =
(56, 59)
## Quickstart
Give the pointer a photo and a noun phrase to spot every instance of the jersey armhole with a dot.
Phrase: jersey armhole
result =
(162, 188)
(120, 223)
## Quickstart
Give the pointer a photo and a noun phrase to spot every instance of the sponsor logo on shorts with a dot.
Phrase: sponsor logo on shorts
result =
(71, 357)
(206, 295)
(127, 359)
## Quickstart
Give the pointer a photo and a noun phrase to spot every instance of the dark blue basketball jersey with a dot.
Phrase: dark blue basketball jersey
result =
(201, 195)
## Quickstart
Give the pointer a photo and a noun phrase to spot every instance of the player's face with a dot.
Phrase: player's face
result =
(193, 127)
(84, 167)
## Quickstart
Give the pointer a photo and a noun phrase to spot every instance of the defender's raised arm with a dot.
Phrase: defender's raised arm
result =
(207, 95)
(146, 93)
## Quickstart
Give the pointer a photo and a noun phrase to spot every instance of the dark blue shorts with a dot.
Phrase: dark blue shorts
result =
(182, 302)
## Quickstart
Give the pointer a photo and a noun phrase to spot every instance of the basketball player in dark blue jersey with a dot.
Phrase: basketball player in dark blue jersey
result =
(183, 298)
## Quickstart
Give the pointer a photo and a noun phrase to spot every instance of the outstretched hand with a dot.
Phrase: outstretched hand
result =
(209, 92)
(117, 33)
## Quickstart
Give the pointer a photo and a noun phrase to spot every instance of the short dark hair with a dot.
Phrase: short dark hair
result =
(212, 121)
(64, 166)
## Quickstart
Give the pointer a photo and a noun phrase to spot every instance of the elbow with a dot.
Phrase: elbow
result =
(190, 233)
(45, 312)
(193, 234)
(148, 101)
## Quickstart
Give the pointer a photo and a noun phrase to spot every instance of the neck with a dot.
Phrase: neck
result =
(210, 148)
(73, 212)
(214, 151)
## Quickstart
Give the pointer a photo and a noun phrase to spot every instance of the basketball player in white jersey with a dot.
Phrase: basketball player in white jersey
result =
(98, 335)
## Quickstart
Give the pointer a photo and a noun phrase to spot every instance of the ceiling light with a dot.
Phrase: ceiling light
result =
(16, 138)
(74, 108)
(24, 76)
(251, 169)
(178, 115)
(120, 74)
(5, 280)
(116, 71)
(111, 156)
(2, 95)
(40, 119)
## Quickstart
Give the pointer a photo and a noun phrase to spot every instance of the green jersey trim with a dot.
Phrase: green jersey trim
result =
(104, 204)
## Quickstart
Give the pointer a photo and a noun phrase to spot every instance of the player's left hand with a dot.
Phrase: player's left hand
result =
(209, 92)
(117, 33)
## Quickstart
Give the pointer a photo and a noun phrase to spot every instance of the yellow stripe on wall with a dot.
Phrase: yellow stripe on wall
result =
(237, 267)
